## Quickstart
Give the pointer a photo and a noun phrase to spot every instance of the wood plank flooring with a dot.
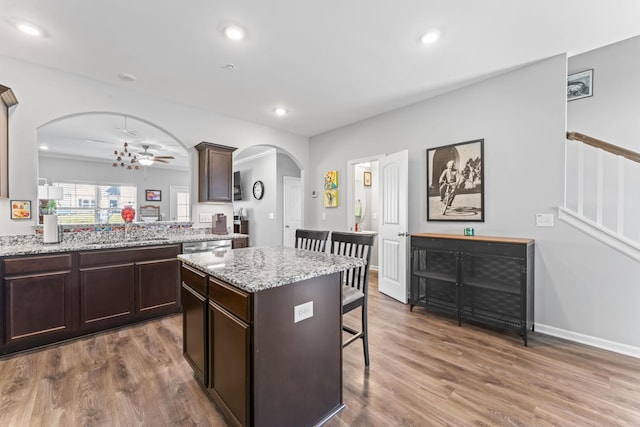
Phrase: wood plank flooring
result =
(425, 371)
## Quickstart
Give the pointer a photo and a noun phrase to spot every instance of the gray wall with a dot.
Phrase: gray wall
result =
(521, 116)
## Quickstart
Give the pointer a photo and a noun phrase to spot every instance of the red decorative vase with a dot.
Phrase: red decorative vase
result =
(128, 213)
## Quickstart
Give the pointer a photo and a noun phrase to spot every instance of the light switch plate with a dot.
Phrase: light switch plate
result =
(302, 311)
(206, 217)
(544, 220)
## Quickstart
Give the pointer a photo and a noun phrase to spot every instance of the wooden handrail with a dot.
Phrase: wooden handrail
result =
(614, 149)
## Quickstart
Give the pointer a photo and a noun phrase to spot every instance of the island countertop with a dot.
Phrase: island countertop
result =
(259, 268)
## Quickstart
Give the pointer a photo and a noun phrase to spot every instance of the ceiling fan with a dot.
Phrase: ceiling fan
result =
(146, 158)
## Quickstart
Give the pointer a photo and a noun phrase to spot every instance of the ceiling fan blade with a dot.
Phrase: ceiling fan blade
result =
(161, 160)
(164, 157)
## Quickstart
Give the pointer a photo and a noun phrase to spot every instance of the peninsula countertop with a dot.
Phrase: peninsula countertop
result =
(259, 268)
(94, 241)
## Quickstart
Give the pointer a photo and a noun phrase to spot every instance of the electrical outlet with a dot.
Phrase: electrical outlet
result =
(544, 220)
(206, 217)
(302, 311)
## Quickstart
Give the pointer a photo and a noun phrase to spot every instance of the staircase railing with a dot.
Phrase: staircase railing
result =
(597, 194)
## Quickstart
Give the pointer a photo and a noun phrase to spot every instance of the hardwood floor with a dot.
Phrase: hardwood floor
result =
(425, 370)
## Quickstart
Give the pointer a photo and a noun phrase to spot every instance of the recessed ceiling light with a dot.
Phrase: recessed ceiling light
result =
(280, 112)
(29, 29)
(430, 36)
(127, 77)
(234, 32)
(43, 147)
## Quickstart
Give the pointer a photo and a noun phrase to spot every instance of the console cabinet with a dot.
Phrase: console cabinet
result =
(215, 183)
(486, 280)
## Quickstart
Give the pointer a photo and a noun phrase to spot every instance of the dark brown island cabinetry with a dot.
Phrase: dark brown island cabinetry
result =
(48, 298)
(485, 280)
(215, 183)
(259, 365)
(194, 321)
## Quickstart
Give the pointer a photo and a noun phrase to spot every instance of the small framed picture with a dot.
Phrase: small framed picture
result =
(580, 85)
(20, 209)
(153, 195)
(367, 179)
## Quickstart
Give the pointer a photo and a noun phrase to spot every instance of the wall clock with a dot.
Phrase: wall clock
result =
(258, 190)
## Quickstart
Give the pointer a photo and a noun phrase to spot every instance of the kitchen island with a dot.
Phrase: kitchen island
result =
(262, 331)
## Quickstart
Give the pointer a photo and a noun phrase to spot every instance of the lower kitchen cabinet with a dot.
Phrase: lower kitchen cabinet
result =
(158, 286)
(38, 295)
(486, 280)
(48, 298)
(242, 242)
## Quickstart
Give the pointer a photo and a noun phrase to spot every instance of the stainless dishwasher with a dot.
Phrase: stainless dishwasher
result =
(206, 246)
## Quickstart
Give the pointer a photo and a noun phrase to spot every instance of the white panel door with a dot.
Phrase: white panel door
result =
(292, 199)
(394, 224)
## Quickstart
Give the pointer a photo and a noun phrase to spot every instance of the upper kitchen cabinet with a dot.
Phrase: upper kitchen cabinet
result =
(214, 172)
(8, 100)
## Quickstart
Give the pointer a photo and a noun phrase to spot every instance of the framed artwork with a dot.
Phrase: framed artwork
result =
(330, 198)
(580, 85)
(455, 182)
(153, 195)
(331, 180)
(20, 209)
(367, 179)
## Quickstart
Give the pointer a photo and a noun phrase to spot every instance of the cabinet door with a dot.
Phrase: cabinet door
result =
(106, 295)
(214, 174)
(229, 362)
(194, 321)
(158, 286)
(492, 289)
(37, 305)
(434, 277)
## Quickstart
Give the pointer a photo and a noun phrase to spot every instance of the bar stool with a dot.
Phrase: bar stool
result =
(313, 240)
(355, 282)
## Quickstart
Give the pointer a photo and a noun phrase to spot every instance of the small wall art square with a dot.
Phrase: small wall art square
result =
(331, 180)
(580, 85)
(330, 198)
(20, 209)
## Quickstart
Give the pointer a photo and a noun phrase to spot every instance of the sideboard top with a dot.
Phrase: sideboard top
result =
(475, 238)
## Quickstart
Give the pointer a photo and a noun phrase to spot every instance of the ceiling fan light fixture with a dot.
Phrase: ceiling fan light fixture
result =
(145, 161)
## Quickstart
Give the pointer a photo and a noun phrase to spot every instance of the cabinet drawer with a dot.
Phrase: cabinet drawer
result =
(37, 264)
(117, 256)
(500, 249)
(434, 243)
(195, 279)
(232, 299)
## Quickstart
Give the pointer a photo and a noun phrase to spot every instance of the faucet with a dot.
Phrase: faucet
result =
(127, 229)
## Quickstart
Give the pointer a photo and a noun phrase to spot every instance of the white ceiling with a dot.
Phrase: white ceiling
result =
(330, 62)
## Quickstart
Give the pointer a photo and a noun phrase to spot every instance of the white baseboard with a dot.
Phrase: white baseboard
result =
(616, 347)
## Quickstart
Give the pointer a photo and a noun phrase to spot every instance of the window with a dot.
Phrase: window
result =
(90, 203)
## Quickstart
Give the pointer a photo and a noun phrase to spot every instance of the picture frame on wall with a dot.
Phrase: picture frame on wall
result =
(20, 209)
(455, 182)
(580, 85)
(367, 179)
(153, 195)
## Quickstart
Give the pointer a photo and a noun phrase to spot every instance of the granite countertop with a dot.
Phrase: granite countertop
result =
(108, 242)
(256, 269)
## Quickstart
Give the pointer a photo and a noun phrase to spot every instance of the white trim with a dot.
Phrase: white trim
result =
(616, 347)
(268, 152)
(619, 243)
